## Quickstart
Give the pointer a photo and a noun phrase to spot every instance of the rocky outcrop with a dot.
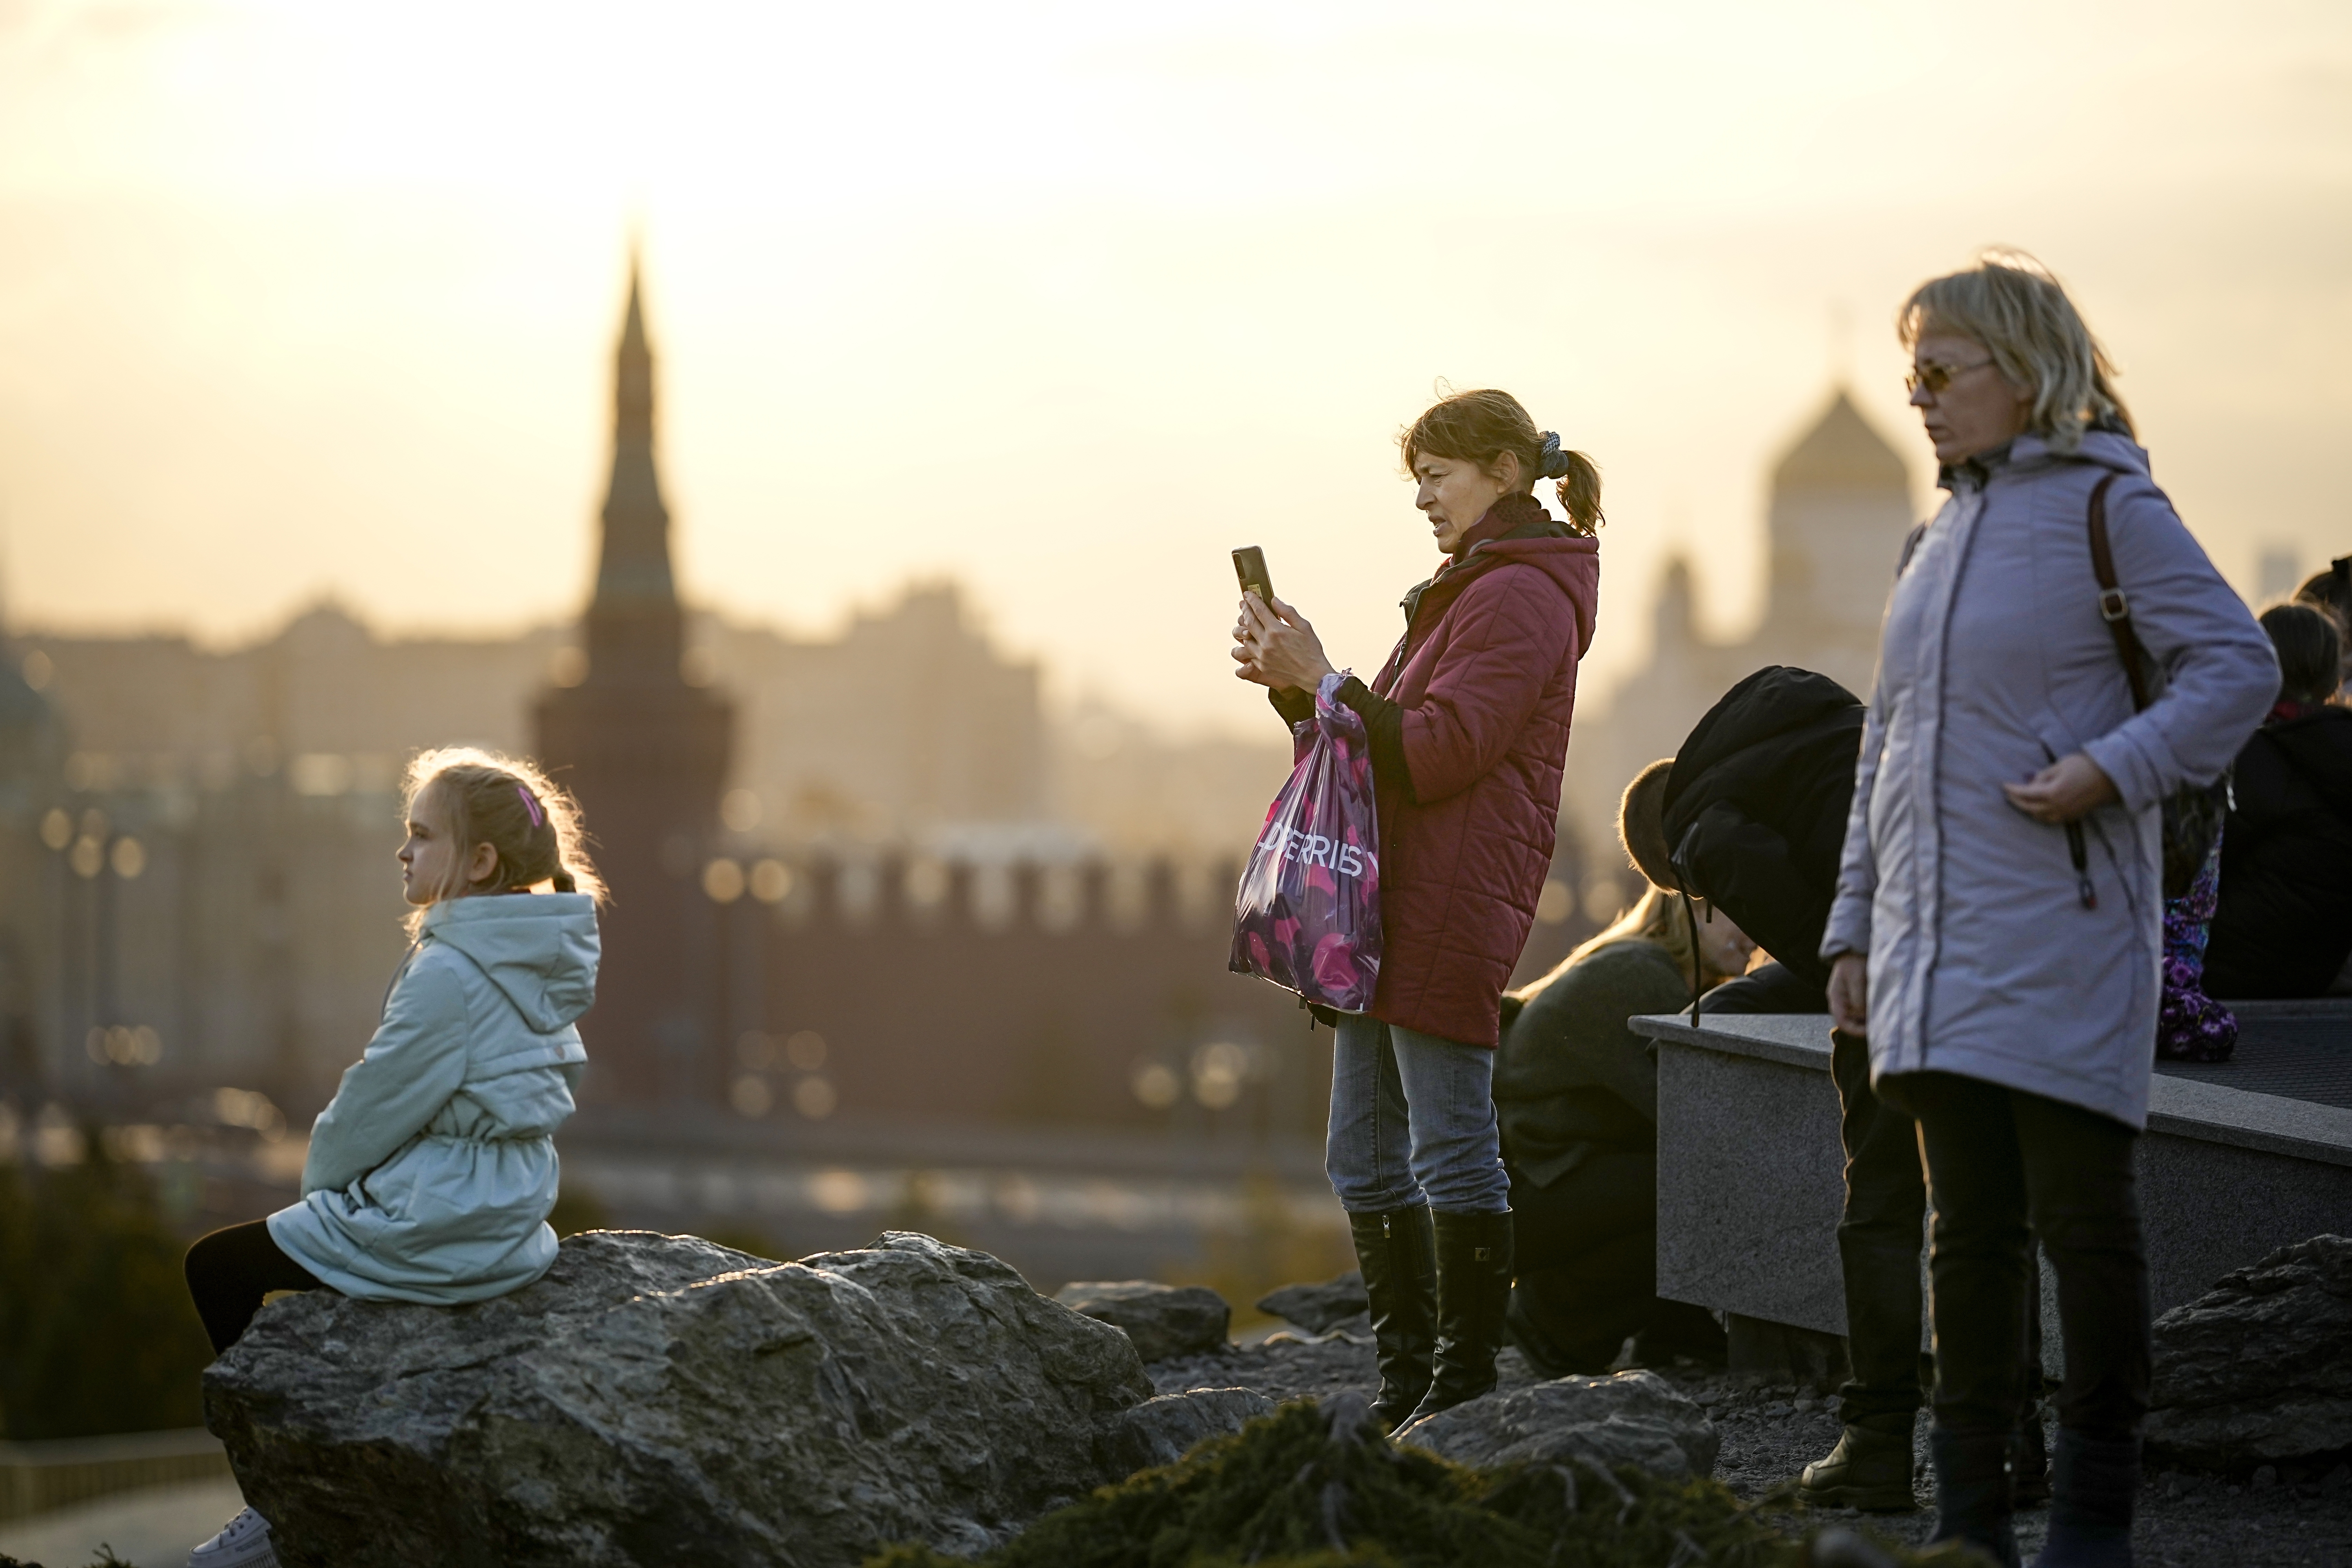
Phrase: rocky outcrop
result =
(1162, 1321)
(1633, 1418)
(1163, 1430)
(661, 1399)
(2260, 1367)
(1318, 1309)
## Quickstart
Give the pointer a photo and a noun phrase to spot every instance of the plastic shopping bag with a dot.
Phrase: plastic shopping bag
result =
(1308, 916)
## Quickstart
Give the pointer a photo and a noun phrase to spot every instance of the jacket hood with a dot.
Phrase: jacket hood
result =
(1573, 561)
(539, 949)
(2108, 449)
(1778, 700)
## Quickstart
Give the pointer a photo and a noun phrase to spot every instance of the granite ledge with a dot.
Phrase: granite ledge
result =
(2179, 1108)
(1798, 1039)
(2290, 1007)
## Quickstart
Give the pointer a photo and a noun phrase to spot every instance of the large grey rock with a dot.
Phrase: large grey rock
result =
(1163, 1430)
(661, 1400)
(2260, 1367)
(1163, 1319)
(1631, 1418)
(1319, 1308)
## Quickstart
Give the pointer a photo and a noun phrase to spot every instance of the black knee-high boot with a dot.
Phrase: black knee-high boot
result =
(1473, 1287)
(1972, 1500)
(2093, 1482)
(1397, 1250)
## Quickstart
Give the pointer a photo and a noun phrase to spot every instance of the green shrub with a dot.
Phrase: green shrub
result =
(1309, 1487)
(96, 1333)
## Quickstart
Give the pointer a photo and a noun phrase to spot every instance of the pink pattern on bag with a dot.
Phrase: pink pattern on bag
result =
(1308, 914)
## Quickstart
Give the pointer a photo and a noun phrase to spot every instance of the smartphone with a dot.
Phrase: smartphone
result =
(1249, 565)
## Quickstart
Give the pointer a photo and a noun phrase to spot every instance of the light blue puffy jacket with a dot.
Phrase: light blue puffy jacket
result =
(431, 1173)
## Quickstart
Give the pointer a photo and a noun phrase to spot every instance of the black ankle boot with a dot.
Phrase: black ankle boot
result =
(2092, 1483)
(1397, 1250)
(2028, 1464)
(1474, 1285)
(1973, 1504)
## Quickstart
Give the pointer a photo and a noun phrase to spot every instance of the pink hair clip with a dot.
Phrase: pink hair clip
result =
(536, 818)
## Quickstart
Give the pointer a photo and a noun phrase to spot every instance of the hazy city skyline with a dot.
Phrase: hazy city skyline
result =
(1064, 304)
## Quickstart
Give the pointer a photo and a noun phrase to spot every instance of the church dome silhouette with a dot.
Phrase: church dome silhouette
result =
(1843, 450)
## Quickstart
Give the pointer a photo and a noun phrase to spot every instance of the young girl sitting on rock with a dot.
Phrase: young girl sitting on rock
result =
(431, 1173)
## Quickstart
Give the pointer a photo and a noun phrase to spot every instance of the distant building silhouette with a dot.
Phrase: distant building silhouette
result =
(645, 753)
(1840, 505)
(878, 840)
(909, 723)
(37, 911)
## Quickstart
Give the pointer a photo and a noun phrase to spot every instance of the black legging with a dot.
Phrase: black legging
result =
(231, 1270)
(2005, 1168)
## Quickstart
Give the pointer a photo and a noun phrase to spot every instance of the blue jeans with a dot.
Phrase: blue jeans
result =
(1413, 1121)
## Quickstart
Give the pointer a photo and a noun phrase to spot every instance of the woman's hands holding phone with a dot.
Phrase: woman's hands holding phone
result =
(1276, 646)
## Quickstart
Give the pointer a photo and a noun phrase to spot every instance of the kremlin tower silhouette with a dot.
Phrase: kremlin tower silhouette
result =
(645, 753)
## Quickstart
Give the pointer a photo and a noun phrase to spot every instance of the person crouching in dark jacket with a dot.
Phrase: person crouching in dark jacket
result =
(1751, 809)
(1578, 1095)
(1749, 816)
(2284, 924)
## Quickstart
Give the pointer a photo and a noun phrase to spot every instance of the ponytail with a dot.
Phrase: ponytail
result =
(1579, 492)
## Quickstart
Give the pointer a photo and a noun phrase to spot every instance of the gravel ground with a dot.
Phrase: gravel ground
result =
(2289, 1520)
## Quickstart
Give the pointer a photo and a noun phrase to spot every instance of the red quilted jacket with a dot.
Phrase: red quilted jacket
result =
(1486, 676)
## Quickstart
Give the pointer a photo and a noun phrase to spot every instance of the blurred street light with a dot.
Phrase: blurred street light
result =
(814, 1098)
(771, 881)
(751, 1097)
(1156, 1085)
(741, 810)
(722, 881)
(130, 857)
(1218, 1069)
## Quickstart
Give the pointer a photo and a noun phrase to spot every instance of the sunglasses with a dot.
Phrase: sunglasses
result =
(1934, 377)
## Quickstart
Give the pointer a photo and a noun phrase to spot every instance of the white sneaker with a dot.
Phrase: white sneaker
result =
(243, 1542)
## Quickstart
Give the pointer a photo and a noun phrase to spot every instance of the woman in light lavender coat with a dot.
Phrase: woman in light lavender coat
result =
(2009, 997)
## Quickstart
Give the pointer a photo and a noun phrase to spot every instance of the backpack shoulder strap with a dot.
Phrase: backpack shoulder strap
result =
(2114, 608)
(1910, 543)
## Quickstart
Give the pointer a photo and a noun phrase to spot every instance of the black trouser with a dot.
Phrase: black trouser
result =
(231, 1270)
(1999, 1160)
(1878, 1241)
(1586, 1250)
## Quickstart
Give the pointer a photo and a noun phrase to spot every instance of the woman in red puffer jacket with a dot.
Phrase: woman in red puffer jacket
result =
(1468, 723)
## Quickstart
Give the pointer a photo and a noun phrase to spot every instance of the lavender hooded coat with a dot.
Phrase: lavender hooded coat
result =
(1993, 663)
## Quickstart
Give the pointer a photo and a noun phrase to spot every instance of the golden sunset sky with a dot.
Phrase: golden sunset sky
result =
(1066, 300)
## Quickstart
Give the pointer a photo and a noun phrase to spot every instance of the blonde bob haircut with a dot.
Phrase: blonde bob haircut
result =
(2012, 304)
